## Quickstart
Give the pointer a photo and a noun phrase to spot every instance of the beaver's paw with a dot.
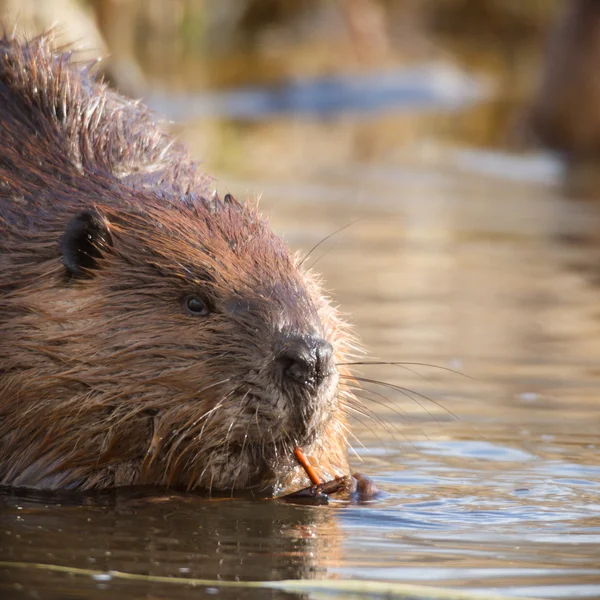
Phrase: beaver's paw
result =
(363, 488)
(357, 489)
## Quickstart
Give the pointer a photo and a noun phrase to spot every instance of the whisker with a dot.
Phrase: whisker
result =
(404, 364)
(382, 422)
(242, 450)
(274, 445)
(362, 409)
(323, 254)
(187, 430)
(229, 429)
(390, 428)
(328, 237)
(403, 392)
(396, 409)
(354, 403)
(350, 447)
(399, 365)
(373, 432)
(191, 432)
(408, 393)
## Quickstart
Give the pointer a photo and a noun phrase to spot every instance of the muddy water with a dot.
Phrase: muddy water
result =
(477, 272)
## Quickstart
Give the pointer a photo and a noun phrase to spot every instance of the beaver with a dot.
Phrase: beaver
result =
(152, 332)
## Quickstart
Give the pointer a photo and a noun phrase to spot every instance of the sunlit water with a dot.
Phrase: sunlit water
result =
(469, 261)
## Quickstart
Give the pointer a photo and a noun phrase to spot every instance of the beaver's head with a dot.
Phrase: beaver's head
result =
(149, 333)
(179, 344)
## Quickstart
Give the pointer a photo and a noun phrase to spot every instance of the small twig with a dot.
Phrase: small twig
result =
(314, 478)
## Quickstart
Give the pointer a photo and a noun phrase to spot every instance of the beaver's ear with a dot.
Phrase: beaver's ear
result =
(85, 239)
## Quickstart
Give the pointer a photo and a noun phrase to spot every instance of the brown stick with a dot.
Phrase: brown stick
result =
(304, 463)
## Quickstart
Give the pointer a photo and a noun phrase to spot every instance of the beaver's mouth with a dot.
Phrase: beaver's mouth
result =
(264, 418)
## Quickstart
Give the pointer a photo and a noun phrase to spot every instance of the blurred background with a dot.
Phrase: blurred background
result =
(362, 80)
(366, 79)
(449, 148)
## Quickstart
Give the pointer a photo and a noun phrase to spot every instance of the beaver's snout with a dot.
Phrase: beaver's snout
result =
(305, 361)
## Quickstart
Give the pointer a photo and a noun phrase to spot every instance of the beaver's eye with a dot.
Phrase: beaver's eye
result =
(195, 306)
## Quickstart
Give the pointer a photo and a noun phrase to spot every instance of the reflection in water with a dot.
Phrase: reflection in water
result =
(179, 536)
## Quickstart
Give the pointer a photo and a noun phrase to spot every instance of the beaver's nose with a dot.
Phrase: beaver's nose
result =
(305, 360)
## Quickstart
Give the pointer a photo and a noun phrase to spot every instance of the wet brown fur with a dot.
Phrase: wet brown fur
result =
(104, 379)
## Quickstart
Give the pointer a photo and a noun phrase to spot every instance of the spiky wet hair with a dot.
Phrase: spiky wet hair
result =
(54, 99)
